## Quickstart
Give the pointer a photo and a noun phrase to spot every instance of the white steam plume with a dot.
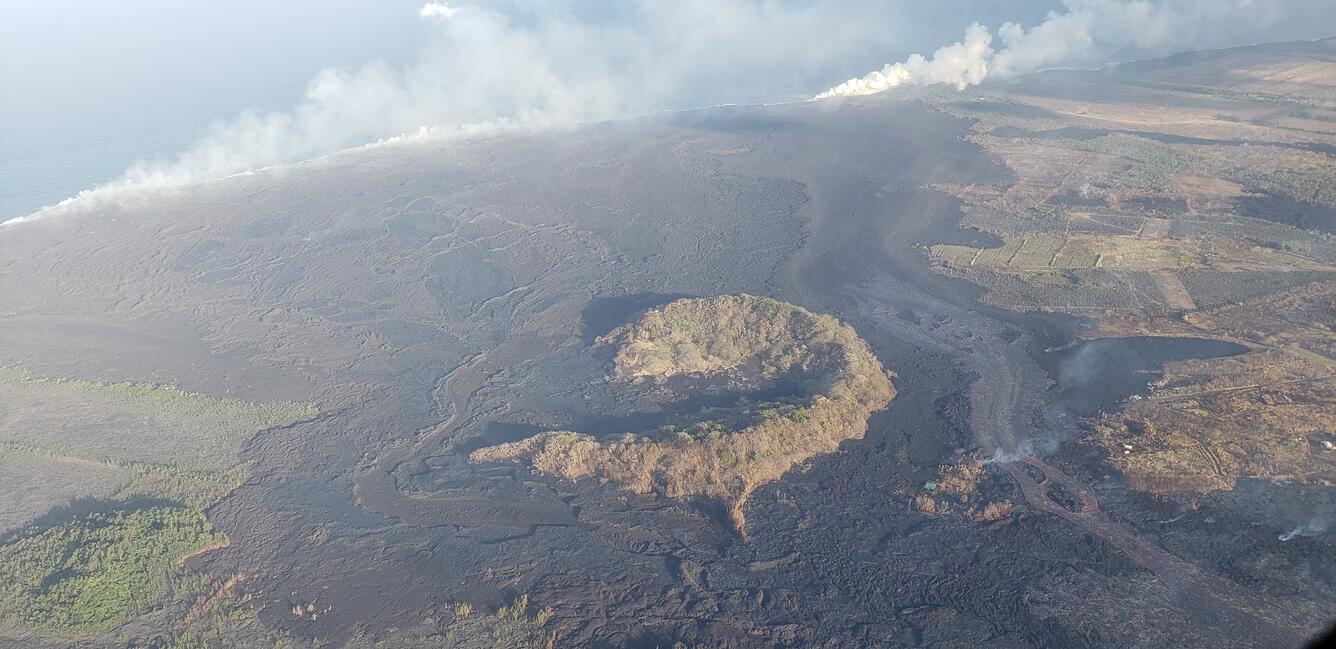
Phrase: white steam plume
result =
(961, 64)
(437, 10)
(1093, 32)
(555, 64)
(549, 64)
(1314, 526)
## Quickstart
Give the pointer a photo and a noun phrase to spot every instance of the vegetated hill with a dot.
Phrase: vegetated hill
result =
(750, 342)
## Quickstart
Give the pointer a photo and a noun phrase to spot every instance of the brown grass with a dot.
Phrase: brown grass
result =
(956, 490)
(1211, 422)
(749, 340)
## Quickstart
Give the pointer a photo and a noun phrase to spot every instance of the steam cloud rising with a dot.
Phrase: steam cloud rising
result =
(1091, 32)
(533, 63)
(437, 10)
(1314, 526)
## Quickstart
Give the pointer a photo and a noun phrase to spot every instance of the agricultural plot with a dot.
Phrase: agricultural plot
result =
(1049, 173)
(1105, 224)
(1077, 290)
(1154, 166)
(1213, 288)
(1148, 206)
(1185, 272)
(1196, 256)
(1267, 233)
(1301, 318)
(1175, 294)
(1311, 121)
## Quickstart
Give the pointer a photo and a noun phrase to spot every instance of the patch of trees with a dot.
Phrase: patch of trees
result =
(94, 569)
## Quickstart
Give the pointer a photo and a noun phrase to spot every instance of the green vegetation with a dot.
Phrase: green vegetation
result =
(1315, 185)
(192, 488)
(94, 565)
(1156, 164)
(749, 342)
(1043, 213)
(10, 450)
(95, 569)
(231, 622)
(1303, 178)
(135, 422)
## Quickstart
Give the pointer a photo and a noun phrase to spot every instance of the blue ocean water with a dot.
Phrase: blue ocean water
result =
(57, 155)
(89, 87)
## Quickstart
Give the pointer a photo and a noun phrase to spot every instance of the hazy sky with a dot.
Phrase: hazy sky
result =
(203, 89)
(89, 86)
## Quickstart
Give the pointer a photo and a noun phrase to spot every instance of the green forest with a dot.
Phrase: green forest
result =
(97, 568)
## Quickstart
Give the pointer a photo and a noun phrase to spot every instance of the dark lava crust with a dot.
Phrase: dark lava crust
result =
(455, 289)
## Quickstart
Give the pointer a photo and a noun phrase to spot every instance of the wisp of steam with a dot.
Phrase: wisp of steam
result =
(485, 70)
(1312, 527)
(1087, 32)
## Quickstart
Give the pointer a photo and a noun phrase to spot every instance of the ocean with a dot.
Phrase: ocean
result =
(57, 155)
(88, 87)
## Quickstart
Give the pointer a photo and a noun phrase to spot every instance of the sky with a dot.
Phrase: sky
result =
(148, 94)
(87, 87)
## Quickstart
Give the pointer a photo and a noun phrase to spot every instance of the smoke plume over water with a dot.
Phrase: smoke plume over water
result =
(503, 63)
(535, 63)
